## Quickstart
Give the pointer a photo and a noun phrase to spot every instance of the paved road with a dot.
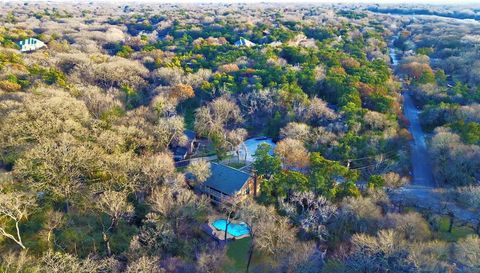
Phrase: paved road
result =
(422, 170)
(423, 193)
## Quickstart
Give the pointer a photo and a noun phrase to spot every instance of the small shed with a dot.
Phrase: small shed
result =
(181, 152)
(191, 140)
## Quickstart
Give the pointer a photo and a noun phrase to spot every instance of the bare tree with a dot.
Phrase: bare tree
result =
(467, 252)
(144, 264)
(217, 121)
(169, 131)
(212, 261)
(155, 170)
(56, 262)
(382, 253)
(15, 207)
(115, 205)
(200, 169)
(177, 204)
(294, 130)
(316, 112)
(65, 167)
(254, 216)
(54, 219)
(312, 212)
(293, 153)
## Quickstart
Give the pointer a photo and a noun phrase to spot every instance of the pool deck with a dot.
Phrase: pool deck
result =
(220, 234)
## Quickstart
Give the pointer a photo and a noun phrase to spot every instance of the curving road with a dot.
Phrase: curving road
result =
(422, 170)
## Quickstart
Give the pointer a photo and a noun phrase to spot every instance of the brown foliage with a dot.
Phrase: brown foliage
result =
(9, 86)
(292, 153)
(349, 63)
(182, 92)
(415, 69)
(228, 68)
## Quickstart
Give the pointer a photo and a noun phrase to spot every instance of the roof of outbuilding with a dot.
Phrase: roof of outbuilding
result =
(226, 179)
(190, 134)
(180, 151)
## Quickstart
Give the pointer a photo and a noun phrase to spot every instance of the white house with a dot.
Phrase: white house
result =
(244, 42)
(30, 44)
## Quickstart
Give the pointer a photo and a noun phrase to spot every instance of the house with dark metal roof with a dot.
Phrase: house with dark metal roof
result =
(226, 183)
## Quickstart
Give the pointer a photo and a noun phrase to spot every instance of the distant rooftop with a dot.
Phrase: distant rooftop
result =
(30, 44)
(244, 42)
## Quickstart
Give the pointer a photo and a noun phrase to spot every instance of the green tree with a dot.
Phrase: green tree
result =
(53, 75)
(375, 182)
(460, 88)
(425, 51)
(283, 184)
(266, 164)
(125, 51)
(440, 77)
(325, 175)
(426, 77)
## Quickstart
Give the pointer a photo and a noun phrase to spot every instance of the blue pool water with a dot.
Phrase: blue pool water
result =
(251, 146)
(233, 229)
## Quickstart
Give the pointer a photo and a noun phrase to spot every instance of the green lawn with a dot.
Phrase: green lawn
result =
(237, 252)
(236, 165)
(458, 232)
(181, 169)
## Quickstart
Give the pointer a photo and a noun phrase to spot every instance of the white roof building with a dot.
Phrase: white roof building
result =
(30, 44)
(244, 42)
(275, 43)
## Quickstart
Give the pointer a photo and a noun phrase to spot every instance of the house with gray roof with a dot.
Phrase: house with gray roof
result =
(226, 183)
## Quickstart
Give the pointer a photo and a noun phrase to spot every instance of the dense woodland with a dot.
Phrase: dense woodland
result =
(87, 178)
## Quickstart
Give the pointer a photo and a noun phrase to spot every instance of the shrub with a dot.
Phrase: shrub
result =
(54, 75)
(411, 225)
(376, 182)
(9, 86)
(469, 196)
(394, 180)
(467, 252)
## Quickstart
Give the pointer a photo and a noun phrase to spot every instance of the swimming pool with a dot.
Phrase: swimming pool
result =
(235, 230)
(252, 146)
